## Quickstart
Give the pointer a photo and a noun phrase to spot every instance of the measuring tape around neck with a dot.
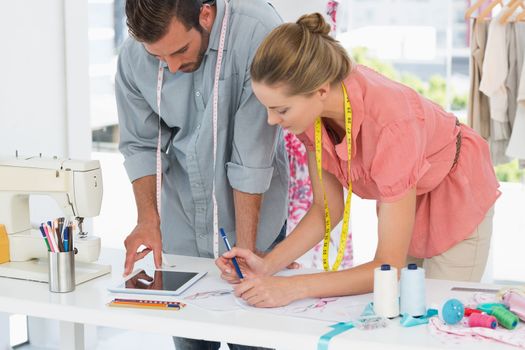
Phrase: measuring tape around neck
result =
(220, 54)
(346, 216)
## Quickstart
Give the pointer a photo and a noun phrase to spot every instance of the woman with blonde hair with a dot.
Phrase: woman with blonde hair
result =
(431, 176)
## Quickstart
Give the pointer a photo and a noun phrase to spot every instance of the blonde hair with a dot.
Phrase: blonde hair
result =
(301, 55)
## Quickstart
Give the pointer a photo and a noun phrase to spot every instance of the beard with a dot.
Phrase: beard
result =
(193, 66)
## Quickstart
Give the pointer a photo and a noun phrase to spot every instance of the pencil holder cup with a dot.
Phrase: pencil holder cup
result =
(61, 272)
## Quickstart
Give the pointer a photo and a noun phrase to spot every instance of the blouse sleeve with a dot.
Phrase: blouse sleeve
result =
(399, 161)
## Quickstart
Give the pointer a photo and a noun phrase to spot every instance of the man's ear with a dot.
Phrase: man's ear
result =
(206, 17)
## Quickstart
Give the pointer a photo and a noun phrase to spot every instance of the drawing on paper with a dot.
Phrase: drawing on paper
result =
(318, 305)
(209, 294)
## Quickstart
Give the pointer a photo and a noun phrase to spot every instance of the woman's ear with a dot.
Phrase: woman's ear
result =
(323, 91)
(206, 17)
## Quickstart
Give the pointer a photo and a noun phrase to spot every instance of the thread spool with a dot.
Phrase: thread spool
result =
(386, 299)
(469, 311)
(451, 311)
(482, 320)
(487, 307)
(505, 318)
(412, 291)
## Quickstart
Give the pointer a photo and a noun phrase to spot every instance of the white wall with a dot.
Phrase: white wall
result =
(32, 92)
(44, 91)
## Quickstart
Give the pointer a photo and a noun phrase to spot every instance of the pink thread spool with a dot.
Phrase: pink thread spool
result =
(482, 320)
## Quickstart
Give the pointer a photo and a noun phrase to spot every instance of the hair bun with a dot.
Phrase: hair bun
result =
(314, 23)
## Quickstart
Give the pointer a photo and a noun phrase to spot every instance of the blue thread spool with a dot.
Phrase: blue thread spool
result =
(452, 311)
(412, 301)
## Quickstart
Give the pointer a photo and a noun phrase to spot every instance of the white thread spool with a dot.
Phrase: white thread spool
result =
(386, 296)
(412, 291)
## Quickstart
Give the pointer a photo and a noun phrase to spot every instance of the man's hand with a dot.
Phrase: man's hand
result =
(148, 235)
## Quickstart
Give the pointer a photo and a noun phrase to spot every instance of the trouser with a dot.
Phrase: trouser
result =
(466, 260)
(195, 344)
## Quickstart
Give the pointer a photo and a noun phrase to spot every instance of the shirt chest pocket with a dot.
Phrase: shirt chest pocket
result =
(227, 102)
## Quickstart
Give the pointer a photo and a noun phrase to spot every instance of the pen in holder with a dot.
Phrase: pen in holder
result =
(62, 271)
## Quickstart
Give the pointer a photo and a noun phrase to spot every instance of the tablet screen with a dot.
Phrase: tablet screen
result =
(159, 280)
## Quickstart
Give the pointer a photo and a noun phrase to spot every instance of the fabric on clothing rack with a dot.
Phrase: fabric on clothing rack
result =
(331, 12)
(495, 70)
(519, 28)
(478, 107)
(516, 147)
(511, 83)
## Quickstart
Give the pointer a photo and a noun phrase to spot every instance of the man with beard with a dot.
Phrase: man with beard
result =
(209, 153)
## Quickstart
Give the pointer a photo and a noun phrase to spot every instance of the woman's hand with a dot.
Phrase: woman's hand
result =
(250, 263)
(268, 291)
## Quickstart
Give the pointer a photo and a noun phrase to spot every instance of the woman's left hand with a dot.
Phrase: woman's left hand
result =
(267, 291)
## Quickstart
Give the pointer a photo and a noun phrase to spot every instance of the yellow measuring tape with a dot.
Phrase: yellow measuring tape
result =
(346, 216)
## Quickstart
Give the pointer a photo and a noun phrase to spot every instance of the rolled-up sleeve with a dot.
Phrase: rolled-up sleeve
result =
(138, 125)
(251, 168)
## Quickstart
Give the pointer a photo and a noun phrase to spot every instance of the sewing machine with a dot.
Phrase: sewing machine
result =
(76, 186)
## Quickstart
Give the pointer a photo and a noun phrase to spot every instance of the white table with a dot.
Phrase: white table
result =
(87, 305)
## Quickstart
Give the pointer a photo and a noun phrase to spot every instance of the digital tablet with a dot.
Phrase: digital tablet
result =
(162, 282)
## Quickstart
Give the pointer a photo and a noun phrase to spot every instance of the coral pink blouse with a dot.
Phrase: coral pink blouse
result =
(401, 140)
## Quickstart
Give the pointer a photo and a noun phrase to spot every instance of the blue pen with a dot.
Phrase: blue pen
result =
(225, 239)
(66, 239)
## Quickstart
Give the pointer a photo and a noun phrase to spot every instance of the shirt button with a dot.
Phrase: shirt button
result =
(198, 127)
(202, 235)
(190, 157)
(197, 93)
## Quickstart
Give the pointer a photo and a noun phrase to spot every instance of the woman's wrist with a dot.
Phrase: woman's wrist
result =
(300, 287)
(271, 265)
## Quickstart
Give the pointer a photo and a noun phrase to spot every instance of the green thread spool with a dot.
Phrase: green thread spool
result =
(487, 307)
(505, 318)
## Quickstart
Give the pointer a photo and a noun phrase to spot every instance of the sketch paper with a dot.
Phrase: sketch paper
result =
(211, 293)
(214, 294)
(335, 309)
